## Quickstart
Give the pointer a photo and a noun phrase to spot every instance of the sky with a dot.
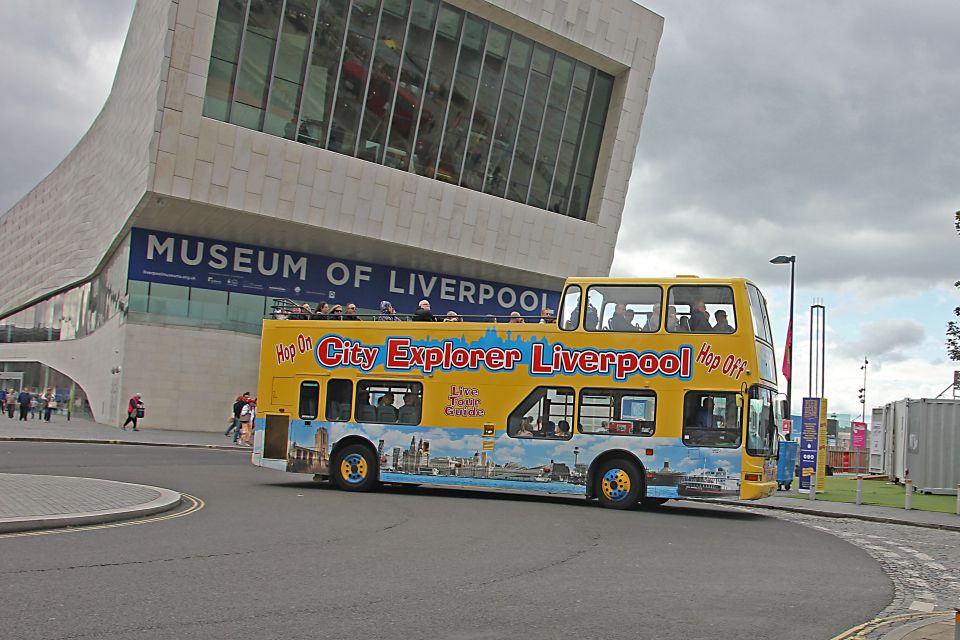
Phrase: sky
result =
(826, 130)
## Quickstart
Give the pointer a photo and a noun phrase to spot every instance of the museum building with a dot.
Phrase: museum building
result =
(471, 152)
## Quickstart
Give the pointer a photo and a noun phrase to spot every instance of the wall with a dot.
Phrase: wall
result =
(189, 377)
(88, 361)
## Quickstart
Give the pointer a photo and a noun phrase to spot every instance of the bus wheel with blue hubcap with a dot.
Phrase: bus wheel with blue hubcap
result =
(618, 484)
(354, 468)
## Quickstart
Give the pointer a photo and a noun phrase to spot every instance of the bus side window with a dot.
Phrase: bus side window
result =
(614, 412)
(389, 402)
(700, 309)
(569, 315)
(711, 419)
(546, 413)
(339, 400)
(309, 399)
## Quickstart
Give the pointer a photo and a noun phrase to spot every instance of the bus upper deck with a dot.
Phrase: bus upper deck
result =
(643, 390)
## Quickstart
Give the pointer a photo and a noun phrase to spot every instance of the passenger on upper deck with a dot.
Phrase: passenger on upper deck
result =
(423, 313)
(621, 320)
(673, 321)
(722, 326)
(515, 317)
(699, 318)
(591, 321)
(546, 316)
(351, 312)
(387, 312)
(653, 320)
(323, 312)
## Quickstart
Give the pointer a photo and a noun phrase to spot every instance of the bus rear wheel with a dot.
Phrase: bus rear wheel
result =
(354, 468)
(618, 484)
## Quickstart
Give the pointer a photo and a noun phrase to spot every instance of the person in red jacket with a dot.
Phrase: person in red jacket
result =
(134, 411)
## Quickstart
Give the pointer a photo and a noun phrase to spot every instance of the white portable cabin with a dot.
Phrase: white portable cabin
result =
(921, 441)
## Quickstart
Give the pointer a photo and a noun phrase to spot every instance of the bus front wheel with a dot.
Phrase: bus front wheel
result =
(354, 468)
(618, 484)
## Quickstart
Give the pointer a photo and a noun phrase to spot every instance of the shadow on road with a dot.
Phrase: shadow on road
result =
(673, 508)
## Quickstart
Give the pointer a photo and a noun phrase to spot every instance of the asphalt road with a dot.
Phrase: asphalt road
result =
(273, 557)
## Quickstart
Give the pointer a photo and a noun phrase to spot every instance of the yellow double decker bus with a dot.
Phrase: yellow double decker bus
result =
(643, 390)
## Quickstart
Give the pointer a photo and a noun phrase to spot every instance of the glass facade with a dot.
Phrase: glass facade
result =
(74, 313)
(418, 85)
(192, 306)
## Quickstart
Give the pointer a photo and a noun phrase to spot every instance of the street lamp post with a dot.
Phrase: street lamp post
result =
(792, 261)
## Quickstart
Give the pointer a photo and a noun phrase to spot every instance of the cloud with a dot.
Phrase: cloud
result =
(814, 129)
(886, 340)
(58, 61)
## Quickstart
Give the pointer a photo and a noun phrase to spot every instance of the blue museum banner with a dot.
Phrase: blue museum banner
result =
(171, 258)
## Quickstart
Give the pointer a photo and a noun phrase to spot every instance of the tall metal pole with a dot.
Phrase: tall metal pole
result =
(789, 416)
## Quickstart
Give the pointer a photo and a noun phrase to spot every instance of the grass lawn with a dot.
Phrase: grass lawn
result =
(875, 492)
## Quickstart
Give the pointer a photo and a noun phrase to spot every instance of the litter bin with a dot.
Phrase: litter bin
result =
(786, 461)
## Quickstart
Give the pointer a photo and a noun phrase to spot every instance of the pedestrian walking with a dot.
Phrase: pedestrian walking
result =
(247, 413)
(11, 402)
(33, 407)
(235, 416)
(135, 411)
(50, 398)
(3, 401)
(24, 400)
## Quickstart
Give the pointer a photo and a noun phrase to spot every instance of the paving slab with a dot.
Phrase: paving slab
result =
(29, 502)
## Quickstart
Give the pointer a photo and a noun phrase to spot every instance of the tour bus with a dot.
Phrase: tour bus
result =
(641, 391)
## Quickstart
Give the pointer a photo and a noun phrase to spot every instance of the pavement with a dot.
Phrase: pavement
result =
(59, 429)
(30, 502)
(888, 515)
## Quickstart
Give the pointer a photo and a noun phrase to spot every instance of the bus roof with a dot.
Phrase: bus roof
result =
(681, 279)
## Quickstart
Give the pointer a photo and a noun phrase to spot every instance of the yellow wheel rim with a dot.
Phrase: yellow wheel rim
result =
(615, 485)
(353, 468)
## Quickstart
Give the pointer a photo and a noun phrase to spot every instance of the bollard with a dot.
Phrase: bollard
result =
(958, 499)
(813, 488)
(859, 489)
(908, 500)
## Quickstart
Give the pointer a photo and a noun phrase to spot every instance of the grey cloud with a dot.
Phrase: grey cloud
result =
(886, 340)
(818, 129)
(57, 60)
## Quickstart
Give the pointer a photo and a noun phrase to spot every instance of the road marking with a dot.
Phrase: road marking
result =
(195, 505)
(860, 630)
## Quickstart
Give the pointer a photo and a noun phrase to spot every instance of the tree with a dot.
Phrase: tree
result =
(953, 327)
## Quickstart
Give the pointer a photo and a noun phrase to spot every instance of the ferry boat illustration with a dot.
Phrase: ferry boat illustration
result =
(704, 483)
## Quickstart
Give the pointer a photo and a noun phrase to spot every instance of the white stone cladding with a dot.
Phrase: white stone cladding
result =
(151, 159)
(189, 377)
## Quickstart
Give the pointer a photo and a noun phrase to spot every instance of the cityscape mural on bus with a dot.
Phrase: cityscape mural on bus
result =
(464, 457)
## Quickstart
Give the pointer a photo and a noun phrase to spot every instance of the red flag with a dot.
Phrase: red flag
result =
(786, 352)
